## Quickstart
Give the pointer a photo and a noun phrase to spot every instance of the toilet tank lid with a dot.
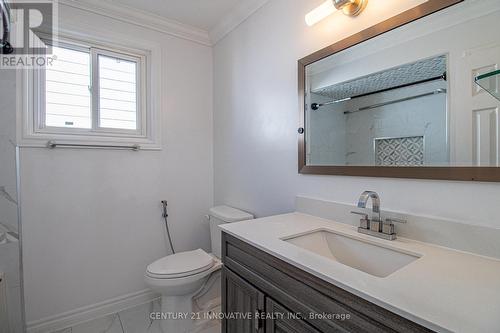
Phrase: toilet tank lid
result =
(229, 214)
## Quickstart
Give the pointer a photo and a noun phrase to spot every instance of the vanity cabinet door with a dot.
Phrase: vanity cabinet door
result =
(240, 303)
(281, 320)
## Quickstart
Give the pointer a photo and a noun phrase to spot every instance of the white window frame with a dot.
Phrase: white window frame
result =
(140, 80)
(147, 135)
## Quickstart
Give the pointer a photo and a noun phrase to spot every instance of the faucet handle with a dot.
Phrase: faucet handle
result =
(388, 226)
(364, 221)
(391, 220)
(362, 214)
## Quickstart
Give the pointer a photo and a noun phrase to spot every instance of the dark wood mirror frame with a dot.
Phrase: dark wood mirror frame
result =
(486, 174)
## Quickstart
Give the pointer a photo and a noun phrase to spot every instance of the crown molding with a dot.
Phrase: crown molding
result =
(161, 24)
(141, 18)
(234, 19)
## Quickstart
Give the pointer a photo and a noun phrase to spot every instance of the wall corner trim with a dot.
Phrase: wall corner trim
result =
(234, 19)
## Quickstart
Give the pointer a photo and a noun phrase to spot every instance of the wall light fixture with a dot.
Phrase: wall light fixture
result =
(348, 7)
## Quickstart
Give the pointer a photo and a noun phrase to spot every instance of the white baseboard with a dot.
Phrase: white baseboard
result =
(86, 313)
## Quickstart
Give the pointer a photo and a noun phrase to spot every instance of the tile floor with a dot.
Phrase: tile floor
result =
(133, 320)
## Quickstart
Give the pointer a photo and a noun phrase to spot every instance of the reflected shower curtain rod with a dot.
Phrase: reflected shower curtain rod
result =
(378, 105)
(316, 106)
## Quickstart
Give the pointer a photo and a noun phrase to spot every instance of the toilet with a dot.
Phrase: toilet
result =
(179, 277)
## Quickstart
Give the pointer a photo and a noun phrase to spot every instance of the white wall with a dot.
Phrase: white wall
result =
(92, 219)
(256, 117)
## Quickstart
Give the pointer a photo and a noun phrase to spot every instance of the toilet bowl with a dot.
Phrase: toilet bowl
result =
(179, 277)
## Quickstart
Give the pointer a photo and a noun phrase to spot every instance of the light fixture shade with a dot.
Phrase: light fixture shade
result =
(320, 12)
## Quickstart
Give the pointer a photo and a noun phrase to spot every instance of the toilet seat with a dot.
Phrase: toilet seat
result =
(180, 265)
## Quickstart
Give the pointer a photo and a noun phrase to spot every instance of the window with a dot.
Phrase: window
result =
(94, 92)
(68, 101)
(117, 93)
(93, 89)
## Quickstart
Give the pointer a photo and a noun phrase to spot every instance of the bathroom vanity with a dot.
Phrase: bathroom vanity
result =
(291, 300)
(288, 273)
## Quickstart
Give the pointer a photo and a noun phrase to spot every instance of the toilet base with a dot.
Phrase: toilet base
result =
(177, 312)
(177, 298)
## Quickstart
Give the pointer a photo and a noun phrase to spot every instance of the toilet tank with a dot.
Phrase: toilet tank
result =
(219, 215)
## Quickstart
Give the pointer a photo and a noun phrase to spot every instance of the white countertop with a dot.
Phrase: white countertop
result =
(445, 290)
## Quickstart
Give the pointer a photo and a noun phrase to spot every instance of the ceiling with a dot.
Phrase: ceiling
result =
(202, 14)
(395, 77)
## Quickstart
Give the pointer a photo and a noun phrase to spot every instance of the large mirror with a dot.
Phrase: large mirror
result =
(404, 100)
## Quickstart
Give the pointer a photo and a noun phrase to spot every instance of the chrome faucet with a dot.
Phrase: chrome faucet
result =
(375, 226)
(363, 199)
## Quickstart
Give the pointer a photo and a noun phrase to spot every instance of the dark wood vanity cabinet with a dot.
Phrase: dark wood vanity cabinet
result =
(241, 298)
(284, 321)
(261, 293)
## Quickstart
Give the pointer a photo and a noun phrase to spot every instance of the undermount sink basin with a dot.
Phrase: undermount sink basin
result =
(368, 257)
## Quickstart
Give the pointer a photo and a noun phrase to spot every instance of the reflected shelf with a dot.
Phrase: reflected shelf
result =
(489, 82)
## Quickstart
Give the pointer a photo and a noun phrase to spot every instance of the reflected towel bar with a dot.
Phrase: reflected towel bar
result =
(374, 106)
(53, 144)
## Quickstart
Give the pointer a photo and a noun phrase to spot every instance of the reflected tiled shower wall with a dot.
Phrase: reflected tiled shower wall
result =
(394, 134)
(11, 318)
(346, 134)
